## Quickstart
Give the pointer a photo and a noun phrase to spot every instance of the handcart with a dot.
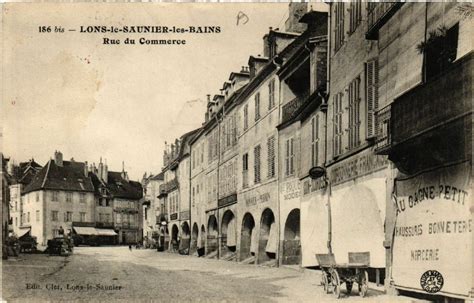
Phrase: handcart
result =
(333, 274)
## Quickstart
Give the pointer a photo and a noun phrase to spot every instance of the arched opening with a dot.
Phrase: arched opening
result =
(194, 239)
(212, 236)
(202, 242)
(291, 243)
(174, 238)
(185, 239)
(268, 241)
(228, 234)
(247, 239)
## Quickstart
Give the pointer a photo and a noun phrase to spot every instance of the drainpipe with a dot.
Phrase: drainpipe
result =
(217, 177)
(328, 86)
(278, 171)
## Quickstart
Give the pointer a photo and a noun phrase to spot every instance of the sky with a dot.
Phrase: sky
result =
(68, 91)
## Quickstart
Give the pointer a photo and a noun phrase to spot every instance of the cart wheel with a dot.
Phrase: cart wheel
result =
(323, 278)
(325, 282)
(349, 287)
(363, 283)
(336, 284)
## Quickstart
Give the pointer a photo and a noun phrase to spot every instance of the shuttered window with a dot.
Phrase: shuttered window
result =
(246, 116)
(257, 106)
(372, 102)
(315, 140)
(271, 94)
(339, 25)
(271, 157)
(289, 157)
(256, 166)
(354, 113)
(337, 123)
(356, 15)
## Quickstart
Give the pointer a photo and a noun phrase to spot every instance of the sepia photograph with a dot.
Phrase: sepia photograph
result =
(313, 151)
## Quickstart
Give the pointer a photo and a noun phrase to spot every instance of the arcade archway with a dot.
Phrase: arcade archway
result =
(268, 241)
(228, 234)
(247, 238)
(291, 250)
(212, 235)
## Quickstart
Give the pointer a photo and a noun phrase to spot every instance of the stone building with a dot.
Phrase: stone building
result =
(423, 123)
(175, 195)
(21, 174)
(5, 210)
(151, 208)
(302, 102)
(61, 193)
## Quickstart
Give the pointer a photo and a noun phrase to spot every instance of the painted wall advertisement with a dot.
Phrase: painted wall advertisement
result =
(432, 247)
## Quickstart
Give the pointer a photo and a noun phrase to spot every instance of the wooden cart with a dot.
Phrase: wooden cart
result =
(333, 274)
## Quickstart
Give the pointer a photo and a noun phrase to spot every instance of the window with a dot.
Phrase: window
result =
(55, 196)
(354, 113)
(246, 116)
(68, 197)
(337, 121)
(118, 218)
(289, 157)
(16, 221)
(257, 106)
(271, 94)
(256, 161)
(315, 140)
(339, 25)
(107, 218)
(16, 205)
(68, 216)
(355, 17)
(82, 217)
(271, 157)
(194, 197)
(37, 196)
(82, 198)
(28, 217)
(54, 215)
(371, 93)
(37, 216)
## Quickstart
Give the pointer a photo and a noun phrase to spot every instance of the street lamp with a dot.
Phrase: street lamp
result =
(315, 173)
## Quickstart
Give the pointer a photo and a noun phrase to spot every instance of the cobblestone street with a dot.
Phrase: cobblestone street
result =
(115, 273)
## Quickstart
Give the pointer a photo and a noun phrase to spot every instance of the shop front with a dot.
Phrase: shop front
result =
(432, 238)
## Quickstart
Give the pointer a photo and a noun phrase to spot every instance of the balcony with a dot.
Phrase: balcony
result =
(105, 224)
(431, 124)
(377, 15)
(168, 187)
(437, 102)
(289, 110)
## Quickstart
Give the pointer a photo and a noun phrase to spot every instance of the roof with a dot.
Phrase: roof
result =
(68, 177)
(121, 188)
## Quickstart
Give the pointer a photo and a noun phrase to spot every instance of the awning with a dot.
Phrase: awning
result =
(23, 232)
(106, 232)
(86, 231)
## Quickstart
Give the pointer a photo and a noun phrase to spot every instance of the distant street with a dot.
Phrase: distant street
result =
(115, 273)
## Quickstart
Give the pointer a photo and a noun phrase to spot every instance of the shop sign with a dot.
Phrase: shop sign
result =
(184, 215)
(312, 185)
(257, 199)
(227, 200)
(356, 166)
(432, 246)
(290, 190)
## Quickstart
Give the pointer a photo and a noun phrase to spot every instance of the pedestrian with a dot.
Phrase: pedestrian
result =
(130, 247)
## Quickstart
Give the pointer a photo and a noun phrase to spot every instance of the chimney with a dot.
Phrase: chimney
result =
(296, 10)
(58, 158)
(101, 169)
(86, 169)
(105, 173)
(124, 173)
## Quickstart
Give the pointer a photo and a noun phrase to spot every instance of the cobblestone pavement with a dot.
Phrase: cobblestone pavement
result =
(98, 274)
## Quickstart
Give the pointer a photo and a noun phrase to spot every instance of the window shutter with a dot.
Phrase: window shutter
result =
(372, 96)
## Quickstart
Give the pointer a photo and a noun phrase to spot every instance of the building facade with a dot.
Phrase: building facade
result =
(151, 209)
